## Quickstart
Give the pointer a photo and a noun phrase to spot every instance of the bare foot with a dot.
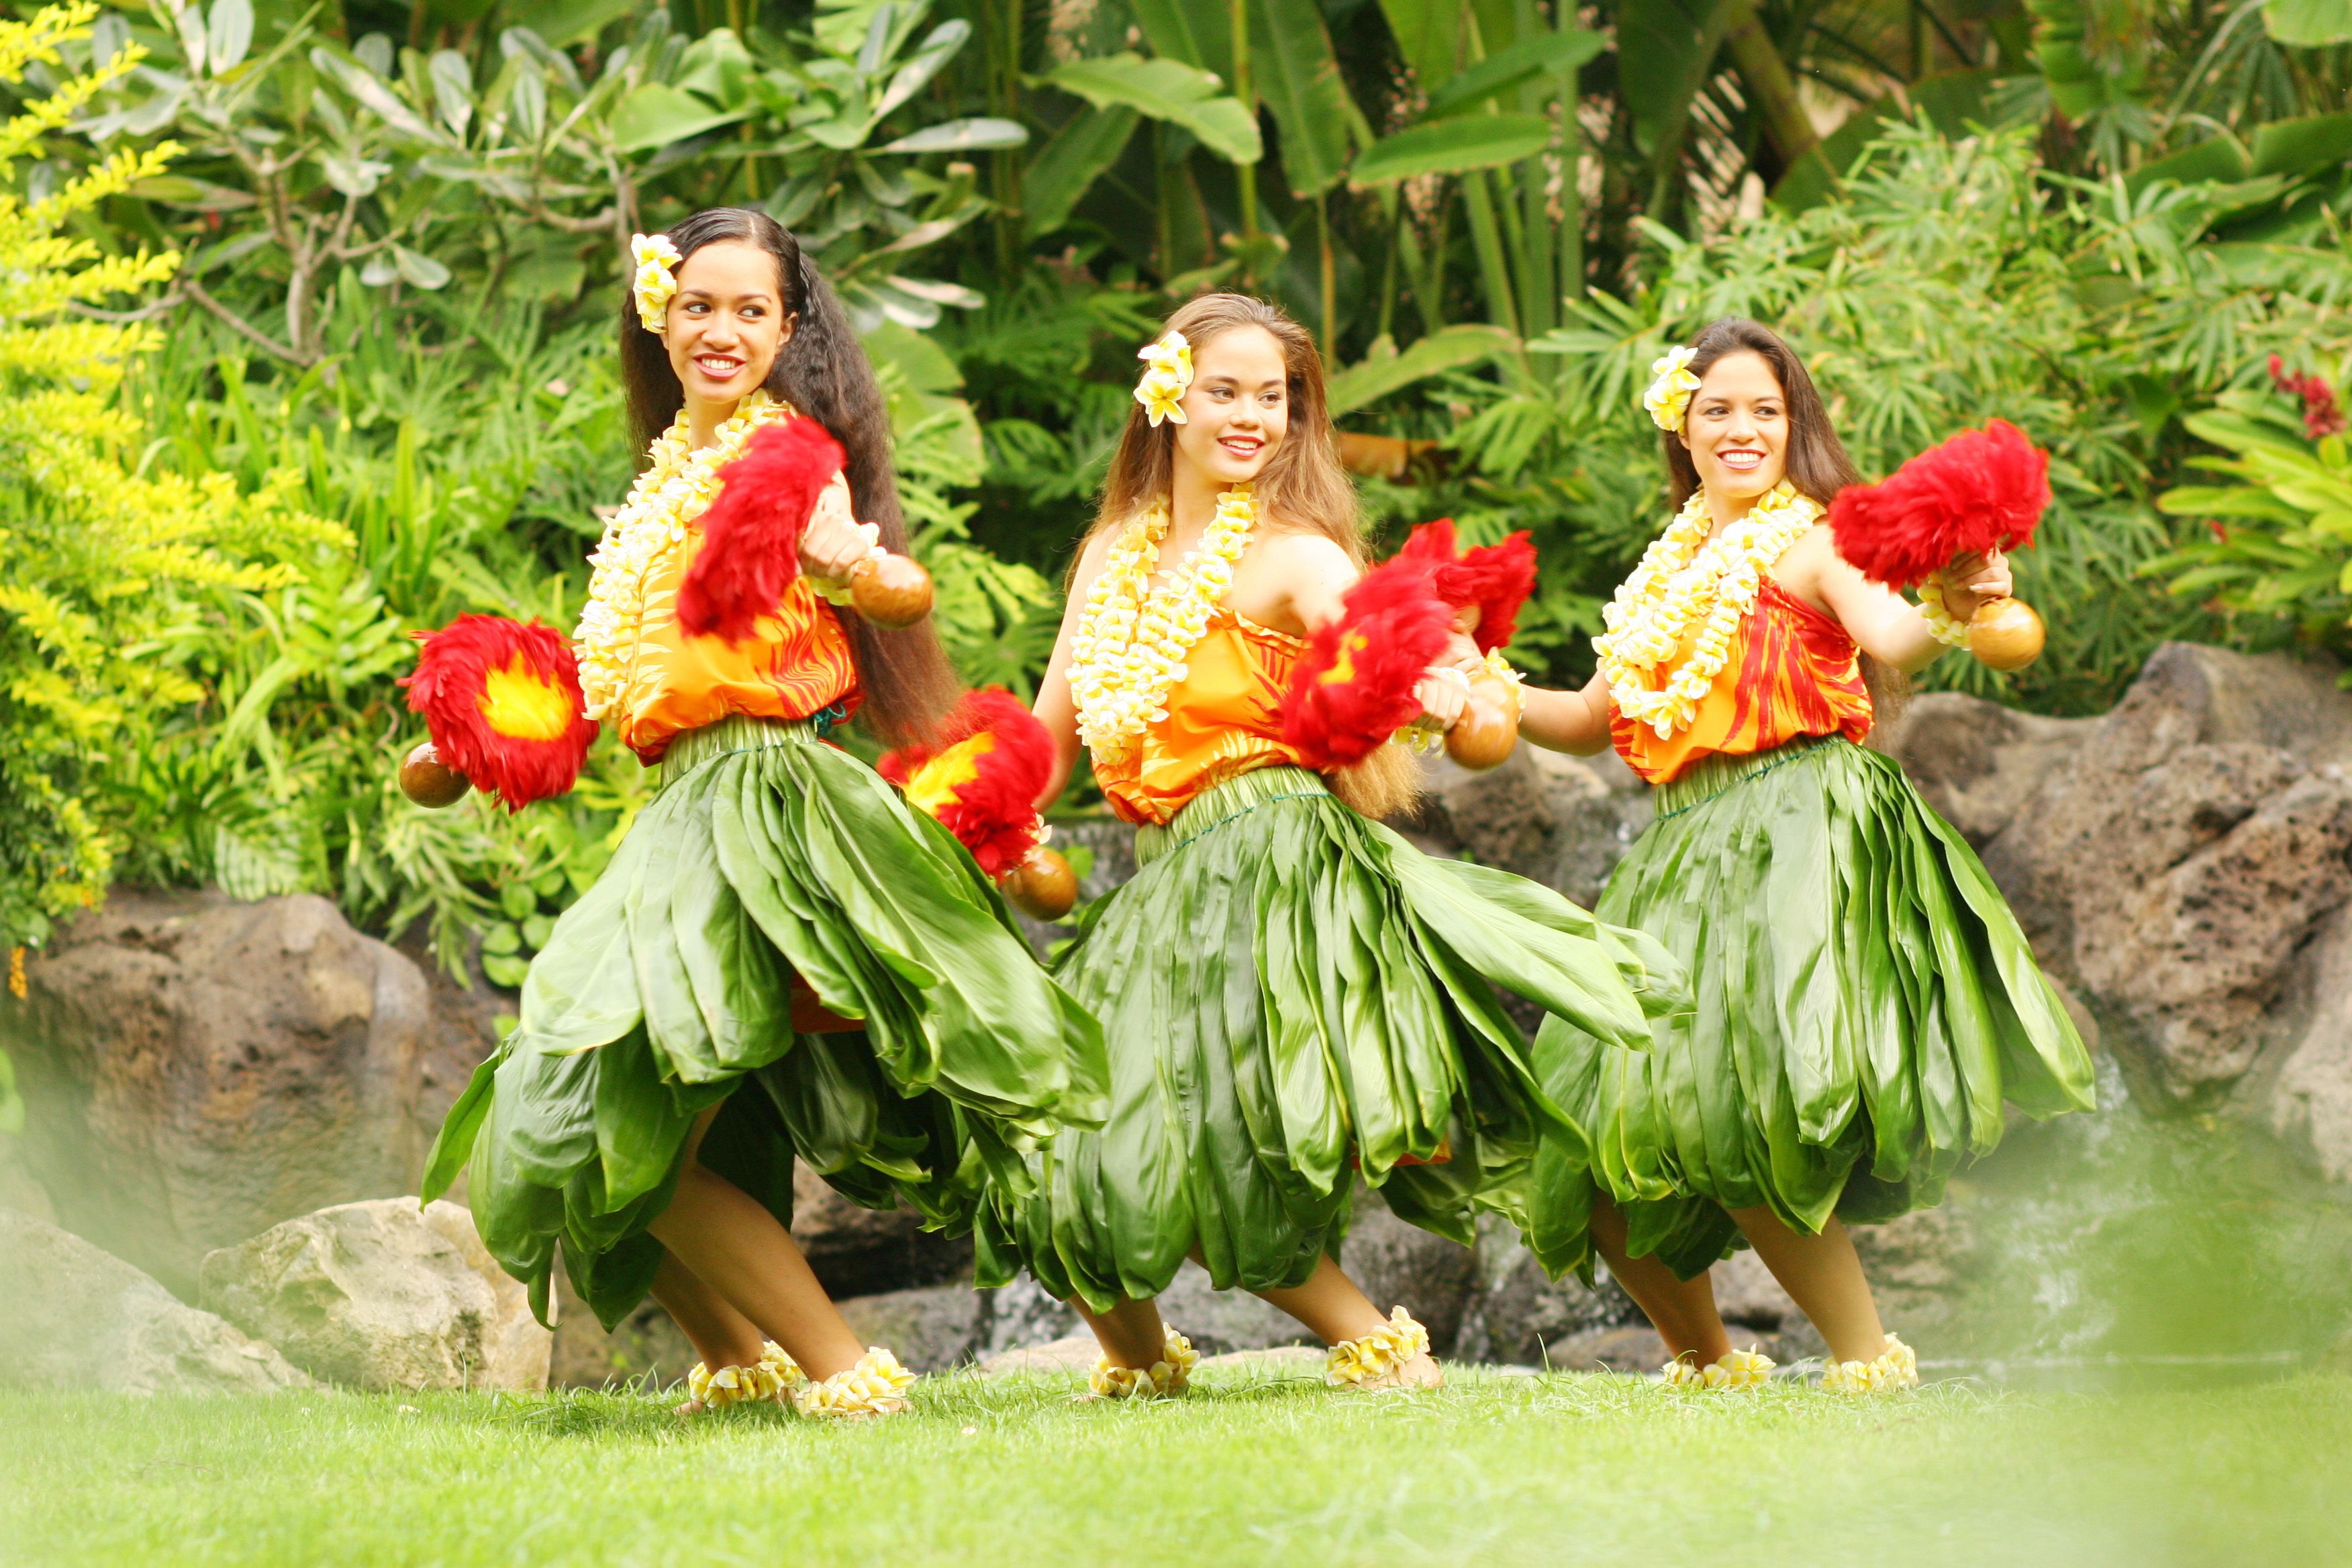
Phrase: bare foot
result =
(692, 1407)
(1420, 1372)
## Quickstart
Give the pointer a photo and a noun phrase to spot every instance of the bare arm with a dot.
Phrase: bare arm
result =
(1055, 707)
(1314, 575)
(1573, 722)
(1882, 621)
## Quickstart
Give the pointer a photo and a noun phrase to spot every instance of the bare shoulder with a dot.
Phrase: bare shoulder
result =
(1300, 551)
(1807, 564)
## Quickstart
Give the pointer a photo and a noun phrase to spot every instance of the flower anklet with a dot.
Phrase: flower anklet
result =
(1750, 1368)
(877, 1385)
(1381, 1353)
(1169, 1375)
(1896, 1368)
(772, 1376)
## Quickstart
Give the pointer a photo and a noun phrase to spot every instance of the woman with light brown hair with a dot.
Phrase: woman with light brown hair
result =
(1292, 997)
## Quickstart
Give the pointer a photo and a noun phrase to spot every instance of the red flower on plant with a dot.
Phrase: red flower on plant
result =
(502, 703)
(2322, 416)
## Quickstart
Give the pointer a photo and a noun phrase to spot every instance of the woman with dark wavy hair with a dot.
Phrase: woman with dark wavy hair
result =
(1866, 1002)
(783, 960)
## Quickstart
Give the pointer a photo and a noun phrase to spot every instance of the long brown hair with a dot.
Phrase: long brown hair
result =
(1302, 488)
(1817, 464)
(823, 372)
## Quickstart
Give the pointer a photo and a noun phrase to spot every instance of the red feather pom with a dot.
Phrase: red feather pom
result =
(1982, 490)
(751, 531)
(1496, 578)
(1354, 686)
(502, 703)
(982, 781)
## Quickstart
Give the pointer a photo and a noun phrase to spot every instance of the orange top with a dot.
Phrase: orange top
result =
(1791, 671)
(797, 664)
(1224, 718)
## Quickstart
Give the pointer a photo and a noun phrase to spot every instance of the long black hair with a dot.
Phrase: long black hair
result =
(1816, 460)
(823, 372)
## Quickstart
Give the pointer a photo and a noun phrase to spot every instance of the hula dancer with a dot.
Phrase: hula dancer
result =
(784, 959)
(1291, 995)
(1865, 1001)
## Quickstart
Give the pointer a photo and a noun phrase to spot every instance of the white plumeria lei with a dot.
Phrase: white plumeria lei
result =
(1685, 575)
(1130, 646)
(1167, 377)
(772, 1376)
(1668, 398)
(1169, 1375)
(671, 493)
(1896, 1368)
(657, 281)
(1942, 625)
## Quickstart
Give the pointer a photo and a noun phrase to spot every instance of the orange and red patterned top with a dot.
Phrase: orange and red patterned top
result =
(1225, 719)
(1791, 671)
(798, 664)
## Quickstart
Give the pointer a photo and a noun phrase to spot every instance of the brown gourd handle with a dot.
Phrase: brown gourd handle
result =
(2006, 633)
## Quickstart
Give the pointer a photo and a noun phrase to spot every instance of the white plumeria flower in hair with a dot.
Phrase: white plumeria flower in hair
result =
(1669, 398)
(657, 281)
(1168, 377)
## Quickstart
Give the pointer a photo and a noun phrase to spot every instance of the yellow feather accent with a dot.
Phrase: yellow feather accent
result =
(932, 788)
(523, 705)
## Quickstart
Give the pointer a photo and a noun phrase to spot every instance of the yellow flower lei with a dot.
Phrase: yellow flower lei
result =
(672, 493)
(1169, 1375)
(1896, 1368)
(656, 283)
(1942, 625)
(770, 1375)
(1378, 1353)
(1750, 1368)
(877, 1385)
(1685, 576)
(1131, 640)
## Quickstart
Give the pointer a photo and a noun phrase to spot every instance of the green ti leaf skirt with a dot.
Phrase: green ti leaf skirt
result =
(665, 989)
(1865, 1003)
(1292, 995)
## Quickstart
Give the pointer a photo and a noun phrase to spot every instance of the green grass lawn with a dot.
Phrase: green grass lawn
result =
(1253, 1469)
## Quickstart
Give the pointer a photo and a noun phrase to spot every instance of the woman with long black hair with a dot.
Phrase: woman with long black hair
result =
(784, 959)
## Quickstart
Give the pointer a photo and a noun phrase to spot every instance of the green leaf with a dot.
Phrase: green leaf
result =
(923, 64)
(1426, 32)
(517, 899)
(2309, 24)
(228, 34)
(2218, 158)
(371, 91)
(1193, 32)
(537, 929)
(505, 969)
(1665, 48)
(1449, 348)
(565, 22)
(502, 937)
(1066, 167)
(1452, 147)
(657, 115)
(12, 1104)
(1167, 90)
(962, 136)
(2304, 146)
(1297, 75)
(419, 269)
(453, 88)
(1546, 54)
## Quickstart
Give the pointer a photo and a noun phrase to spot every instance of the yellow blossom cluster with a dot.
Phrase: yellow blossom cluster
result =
(1169, 1375)
(774, 1373)
(1378, 1354)
(1669, 394)
(1166, 377)
(1942, 625)
(1130, 644)
(1684, 580)
(1896, 1368)
(1750, 1368)
(656, 283)
(676, 487)
(877, 1385)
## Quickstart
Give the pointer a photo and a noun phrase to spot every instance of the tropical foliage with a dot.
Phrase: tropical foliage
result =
(358, 261)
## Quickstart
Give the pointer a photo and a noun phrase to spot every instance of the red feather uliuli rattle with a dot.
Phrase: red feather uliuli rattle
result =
(1981, 490)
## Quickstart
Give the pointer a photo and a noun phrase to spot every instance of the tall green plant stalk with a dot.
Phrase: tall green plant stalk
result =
(1247, 174)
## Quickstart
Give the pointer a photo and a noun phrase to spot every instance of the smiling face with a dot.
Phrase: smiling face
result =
(1737, 427)
(727, 322)
(1239, 406)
